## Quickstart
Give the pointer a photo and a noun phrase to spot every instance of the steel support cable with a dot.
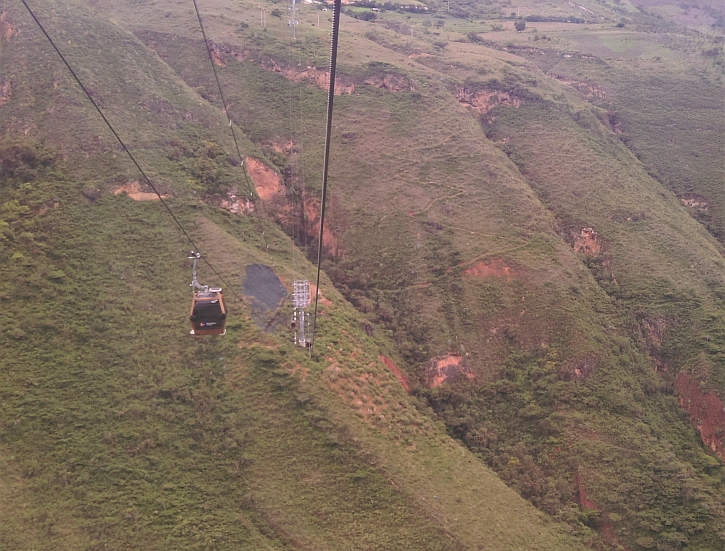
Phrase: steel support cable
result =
(296, 171)
(229, 120)
(128, 152)
(326, 161)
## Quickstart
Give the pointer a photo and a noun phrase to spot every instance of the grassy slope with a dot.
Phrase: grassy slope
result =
(688, 162)
(659, 264)
(418, 197)
(119, 431)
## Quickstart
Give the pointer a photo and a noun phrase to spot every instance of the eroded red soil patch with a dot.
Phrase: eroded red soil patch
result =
(288, 216)
(654, 333)
(219, 53)
(581, 494)
(217, 59)
(136, 192)
(279, 147)
(705, 410)
(485, 100)
(489, 268)
(318, 77)
(589, 90)
(392, 82)
(694, 201)
(321, 299)
(583, 367)
(587, 242)
(235, 204)
(266, 181)
(606, 528)
(441, 370)
(398, 374)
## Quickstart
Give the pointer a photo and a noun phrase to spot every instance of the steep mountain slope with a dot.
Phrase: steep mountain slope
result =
(118, 430)
(594, 290)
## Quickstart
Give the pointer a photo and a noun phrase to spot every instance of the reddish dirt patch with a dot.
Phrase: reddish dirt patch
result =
(654, 332)
(706, 411)
(588, 90)
(6, 89)
(318, 77)
(394, 83)
(266, 181)
(288, 216)
(581, 494)
(329, 241)
(7, 29)
(398, 374)
(136, 192)
(583, 367)
(235, 204)
(216, 56)
(321, 299)
(220, 53)
(278, 147)
(694, 201)
(489, 268)
(606, 528)
(587, 242)
(484, 100)
(441, 370)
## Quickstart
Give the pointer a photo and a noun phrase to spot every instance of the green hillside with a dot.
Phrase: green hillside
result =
(508, 226)
(119, 430)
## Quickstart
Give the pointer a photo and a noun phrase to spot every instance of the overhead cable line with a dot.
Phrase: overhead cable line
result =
(128, 152)
(326, 161)
(229, 120)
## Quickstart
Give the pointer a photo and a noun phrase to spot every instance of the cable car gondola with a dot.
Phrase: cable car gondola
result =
(208, 313)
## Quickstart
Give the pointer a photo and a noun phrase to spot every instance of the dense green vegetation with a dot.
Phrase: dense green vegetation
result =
(468, 160)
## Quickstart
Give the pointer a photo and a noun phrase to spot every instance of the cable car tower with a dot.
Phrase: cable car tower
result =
(293, 22)
(300, 318)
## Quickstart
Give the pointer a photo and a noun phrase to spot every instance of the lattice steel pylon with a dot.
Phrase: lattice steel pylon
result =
(300, 301)
(293, 22)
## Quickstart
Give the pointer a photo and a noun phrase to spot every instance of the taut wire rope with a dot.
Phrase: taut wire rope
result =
(242, 164)
(326, 159)
(130, 155)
